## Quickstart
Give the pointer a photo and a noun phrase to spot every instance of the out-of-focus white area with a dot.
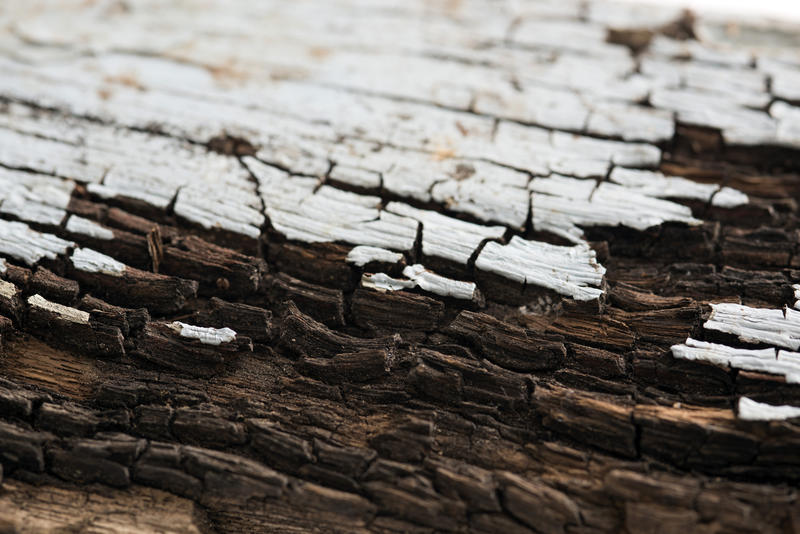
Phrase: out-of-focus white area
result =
(785, 10)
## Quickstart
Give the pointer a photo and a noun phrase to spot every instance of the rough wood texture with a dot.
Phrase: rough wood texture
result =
(366, 266)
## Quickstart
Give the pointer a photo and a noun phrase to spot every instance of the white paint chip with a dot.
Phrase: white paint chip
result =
(384, 282)
(419, 276)
(362, 255)
(31, 210)
(89, 228)
(656, 185)
(447, 237)
(206, 335)
(90, 261)
(29, 246)
(65, 312)
(757, 325)
(7, 289)
(34, 197)
(561, 205)
(222, 209)
(758, 360)
(571, 271)
(302, 211)
(750, 410)
(438, 284)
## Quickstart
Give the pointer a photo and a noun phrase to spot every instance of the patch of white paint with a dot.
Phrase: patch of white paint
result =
(750, 410)
(438, 284)
(19, 241)
(571, 271)
(79, 225)
(384, 282)
(757, 325)
(362, 255)
(7, 289)
(90, 261)
(206, 335)
(64, 312)
(759, 360)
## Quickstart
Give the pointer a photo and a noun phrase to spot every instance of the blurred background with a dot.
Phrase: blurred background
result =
(784, 9)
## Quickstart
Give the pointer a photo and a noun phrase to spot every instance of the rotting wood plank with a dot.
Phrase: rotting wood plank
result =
(435, 266)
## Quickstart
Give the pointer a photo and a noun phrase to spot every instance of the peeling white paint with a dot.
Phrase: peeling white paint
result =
(447, 237)
(206, 335)
(655, 184)
(757, 325)
(90, 261)
(487, 200)
(750, 410)
(356, 176)
(734, 116)
(25, 208)
(362, 255)
(419, 276)
(8, 290)
(550, 108)
(302, 211)
(64, 312)
(785, 79)
(727, 197)
(716, 353)
(215, 191)
(438, 284)
(666, 47)
(34, 188)
(789, 357)
(19, 241)
(561, 205)
(759, 360)
(219, 210)
(571, 271)
(384, 282)
(89, 228)
(393, 117)
(631, 123)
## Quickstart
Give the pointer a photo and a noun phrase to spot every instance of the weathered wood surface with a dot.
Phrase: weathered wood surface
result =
(366, 266)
